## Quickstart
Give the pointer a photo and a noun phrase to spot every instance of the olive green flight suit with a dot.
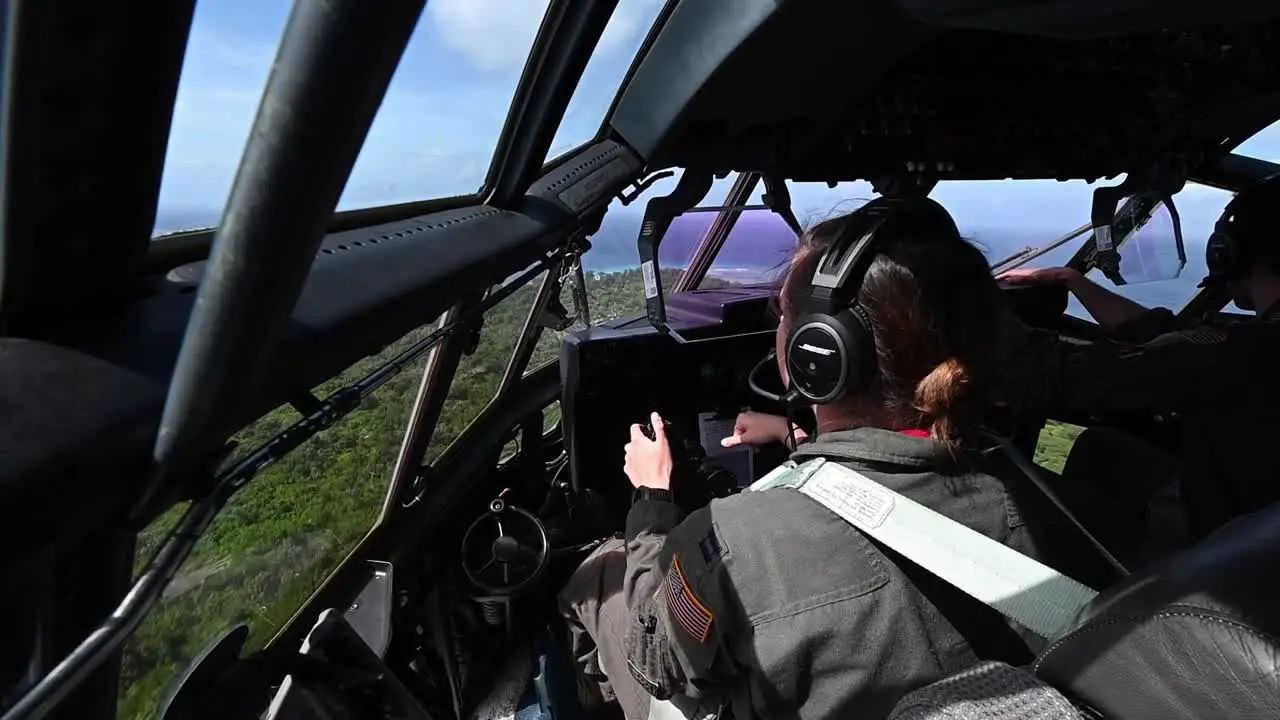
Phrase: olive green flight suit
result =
(772, 605)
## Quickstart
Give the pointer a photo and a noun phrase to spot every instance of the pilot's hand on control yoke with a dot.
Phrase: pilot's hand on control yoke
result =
(648, 462)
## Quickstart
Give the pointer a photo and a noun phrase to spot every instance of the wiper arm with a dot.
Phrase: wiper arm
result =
(1028, 255)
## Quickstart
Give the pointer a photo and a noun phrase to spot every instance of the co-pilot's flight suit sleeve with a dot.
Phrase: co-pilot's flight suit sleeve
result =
(676, 591)
(1147, 326)
(1177, 371)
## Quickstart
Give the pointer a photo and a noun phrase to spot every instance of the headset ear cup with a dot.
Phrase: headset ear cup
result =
(1222, 256)
(1217, 254)
(830, 356)
(818, 358)
(1238, 256)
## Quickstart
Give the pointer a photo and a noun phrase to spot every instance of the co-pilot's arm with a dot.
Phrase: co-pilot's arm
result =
(1177, 371)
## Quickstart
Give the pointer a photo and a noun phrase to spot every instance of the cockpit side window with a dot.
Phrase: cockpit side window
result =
(278, 538)
(434, 133)
(285, 532)
(481, 370)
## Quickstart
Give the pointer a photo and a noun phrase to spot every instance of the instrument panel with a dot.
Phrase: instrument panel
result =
(615, 377)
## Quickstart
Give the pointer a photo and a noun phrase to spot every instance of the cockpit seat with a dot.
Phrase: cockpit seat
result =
(987, 691)
(1194, 636)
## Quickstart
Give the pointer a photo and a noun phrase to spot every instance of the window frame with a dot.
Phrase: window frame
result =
(704, 255)
(568, 36)
(172, 250)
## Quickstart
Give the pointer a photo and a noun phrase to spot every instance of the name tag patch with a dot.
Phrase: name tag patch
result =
(711, 548)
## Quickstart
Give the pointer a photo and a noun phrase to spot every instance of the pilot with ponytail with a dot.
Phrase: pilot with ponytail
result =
(770, 604)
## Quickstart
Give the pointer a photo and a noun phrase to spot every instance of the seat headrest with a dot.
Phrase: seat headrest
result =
(1196, 636)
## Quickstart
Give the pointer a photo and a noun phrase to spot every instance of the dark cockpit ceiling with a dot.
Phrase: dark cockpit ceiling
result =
(966, 89)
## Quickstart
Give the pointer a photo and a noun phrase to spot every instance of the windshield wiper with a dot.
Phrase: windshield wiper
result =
(1022, 258)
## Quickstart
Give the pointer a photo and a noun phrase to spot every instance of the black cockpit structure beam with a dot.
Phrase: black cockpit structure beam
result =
(659, 213)
(77, 204)
(79, 190)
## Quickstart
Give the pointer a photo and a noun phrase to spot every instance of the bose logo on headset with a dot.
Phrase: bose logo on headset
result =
(818, 350)
(834, 329)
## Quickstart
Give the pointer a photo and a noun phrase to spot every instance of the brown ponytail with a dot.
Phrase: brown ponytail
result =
(942, 397)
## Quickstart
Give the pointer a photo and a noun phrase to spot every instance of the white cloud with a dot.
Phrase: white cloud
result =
(630, 21)
(496, 35)
(493, 35)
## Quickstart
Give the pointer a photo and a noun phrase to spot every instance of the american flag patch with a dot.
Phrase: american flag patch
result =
(685, 607)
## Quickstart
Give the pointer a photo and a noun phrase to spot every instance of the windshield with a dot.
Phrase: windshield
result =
(755, 251)
(1155, 271)
(1030, 223)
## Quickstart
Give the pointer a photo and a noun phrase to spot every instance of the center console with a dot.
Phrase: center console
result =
(616, 376)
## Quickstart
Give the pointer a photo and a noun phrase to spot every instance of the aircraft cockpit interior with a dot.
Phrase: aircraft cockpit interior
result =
(400, 357)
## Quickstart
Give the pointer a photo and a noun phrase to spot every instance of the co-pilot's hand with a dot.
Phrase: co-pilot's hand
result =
(648, 462)
(1040, 276)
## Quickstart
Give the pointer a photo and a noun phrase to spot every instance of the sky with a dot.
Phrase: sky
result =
(439, 123)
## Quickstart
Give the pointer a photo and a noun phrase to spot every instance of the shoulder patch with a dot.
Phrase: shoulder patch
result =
(689, 612)
(1202, 335)
(711, 547)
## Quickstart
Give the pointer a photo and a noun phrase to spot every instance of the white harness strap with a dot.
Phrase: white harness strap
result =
(1040, 598)
(669, 710)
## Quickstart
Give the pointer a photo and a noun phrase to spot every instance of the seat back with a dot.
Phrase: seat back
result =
(1195, 636)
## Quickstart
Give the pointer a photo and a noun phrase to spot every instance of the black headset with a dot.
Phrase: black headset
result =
(1224, 253)
(1228, 253)
(831, 350)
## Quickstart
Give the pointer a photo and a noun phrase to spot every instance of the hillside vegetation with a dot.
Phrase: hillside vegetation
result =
(1056, 440)
(290, 527)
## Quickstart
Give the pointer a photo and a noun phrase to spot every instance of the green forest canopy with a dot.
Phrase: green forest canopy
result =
(289, 528)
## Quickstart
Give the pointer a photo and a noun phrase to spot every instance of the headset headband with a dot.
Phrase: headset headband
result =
(847, 257)
(839, 272)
